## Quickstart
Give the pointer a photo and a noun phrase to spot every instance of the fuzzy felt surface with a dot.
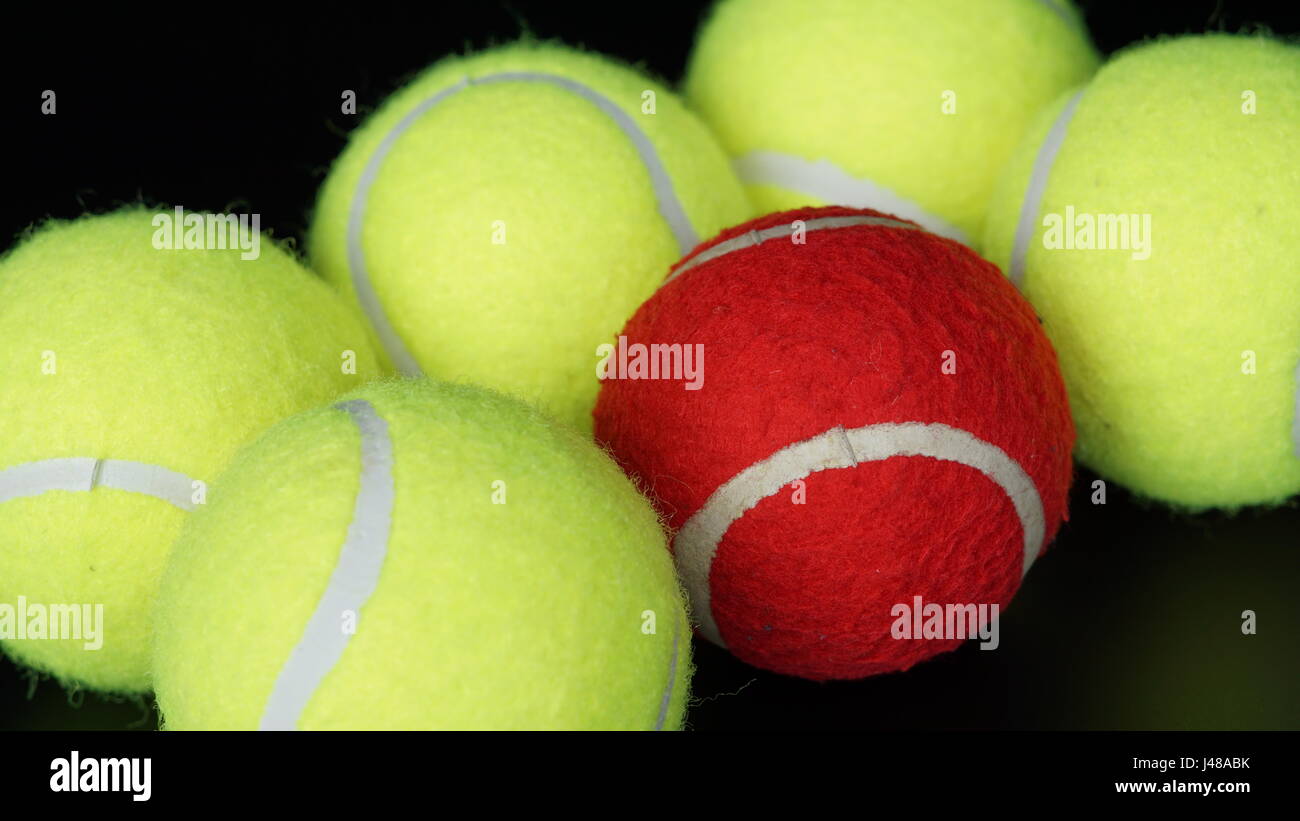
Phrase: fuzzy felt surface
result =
(527, 614)
(849, 329)
(513, 227)
(864, 85)
(1153, 349)
(112, 349)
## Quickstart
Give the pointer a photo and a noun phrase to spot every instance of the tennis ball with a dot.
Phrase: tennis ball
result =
(422, 555)
(880, 418)
(1151, 220)
(505, 213)
(909, 107)
(129, 375)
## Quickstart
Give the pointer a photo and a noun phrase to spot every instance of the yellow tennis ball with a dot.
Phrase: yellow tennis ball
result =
(906, 107)
(422, 555)
(129, 376)
(1151, 220)
(505, 213)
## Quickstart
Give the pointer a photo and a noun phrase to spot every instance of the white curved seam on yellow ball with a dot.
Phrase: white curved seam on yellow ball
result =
(670, 207)
(672, 678)
(352, 582)
(1295, 426)
(84, 474)
(697, 542)
(751, 239)
(1062, 11)
(361, 282)
(833, 185)
(1027, 225)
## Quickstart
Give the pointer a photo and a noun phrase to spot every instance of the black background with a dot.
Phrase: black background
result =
(1131, 620)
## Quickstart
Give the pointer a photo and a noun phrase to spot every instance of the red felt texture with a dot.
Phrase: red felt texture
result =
(848, 330)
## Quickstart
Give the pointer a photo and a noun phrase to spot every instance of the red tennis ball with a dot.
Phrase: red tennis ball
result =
(872, 414)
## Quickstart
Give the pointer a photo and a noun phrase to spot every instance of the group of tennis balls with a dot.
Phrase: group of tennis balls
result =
(398, 494)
